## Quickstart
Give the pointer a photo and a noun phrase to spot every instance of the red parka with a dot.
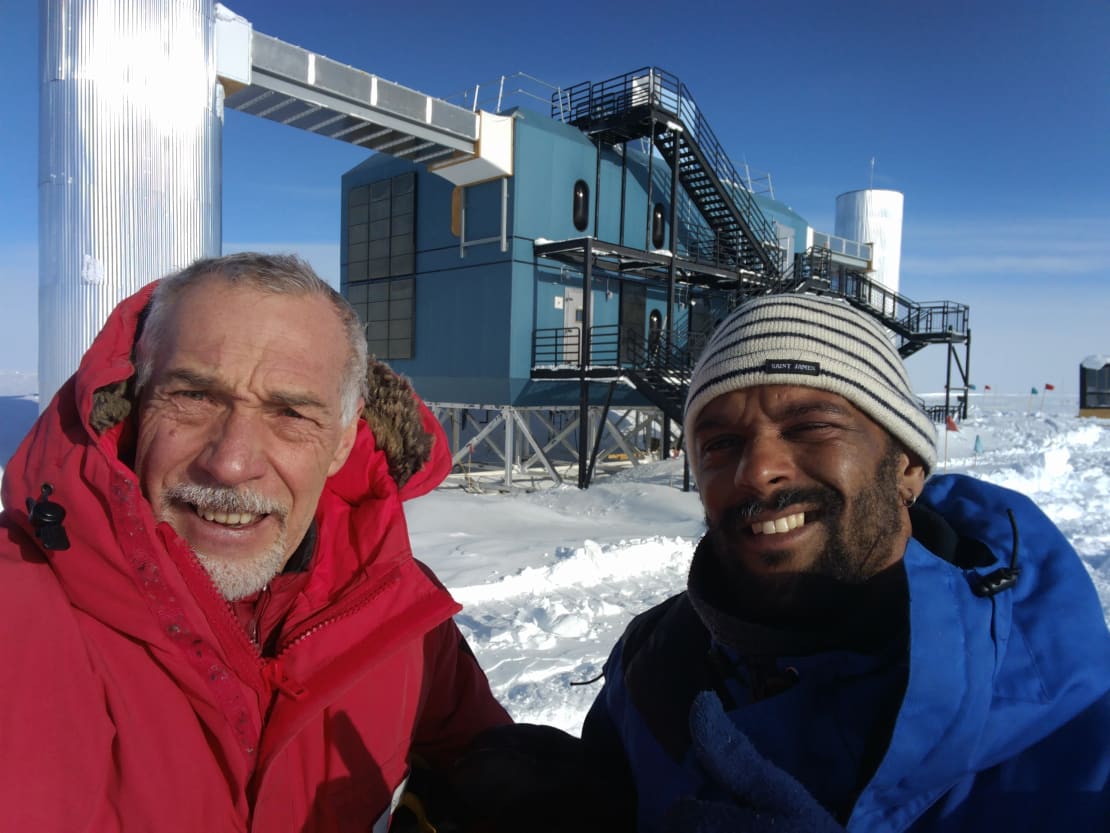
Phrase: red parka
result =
(132, 698)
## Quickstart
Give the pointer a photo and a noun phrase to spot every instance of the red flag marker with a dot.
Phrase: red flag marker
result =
(950, 424)
(1047, 386)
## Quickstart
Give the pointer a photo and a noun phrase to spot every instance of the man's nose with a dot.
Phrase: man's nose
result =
(766, 462)
(234, 453)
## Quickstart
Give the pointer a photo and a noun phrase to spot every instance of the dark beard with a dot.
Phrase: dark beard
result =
(857, 548)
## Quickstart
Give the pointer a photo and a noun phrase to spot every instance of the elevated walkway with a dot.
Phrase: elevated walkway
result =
(275, 80)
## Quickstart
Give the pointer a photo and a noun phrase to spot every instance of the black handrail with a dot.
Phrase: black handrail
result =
(656, 89)
(556, 346)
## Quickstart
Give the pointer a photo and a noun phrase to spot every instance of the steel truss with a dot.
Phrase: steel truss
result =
(512, 446)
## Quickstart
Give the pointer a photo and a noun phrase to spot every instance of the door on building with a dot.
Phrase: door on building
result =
(655, 336)
(785, 238)
(701, 325)
(572, 322)
(633, 308)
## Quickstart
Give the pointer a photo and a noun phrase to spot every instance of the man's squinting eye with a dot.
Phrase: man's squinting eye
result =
(191, 395)
(720, 442)
(803, 429)
(811, 426)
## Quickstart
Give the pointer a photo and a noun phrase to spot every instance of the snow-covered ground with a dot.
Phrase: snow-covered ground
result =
(549, 578)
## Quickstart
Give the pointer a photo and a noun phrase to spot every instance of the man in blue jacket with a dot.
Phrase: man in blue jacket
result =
(859, 645)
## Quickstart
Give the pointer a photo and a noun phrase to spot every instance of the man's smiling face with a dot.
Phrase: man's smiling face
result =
(240, 424)
(799, 481)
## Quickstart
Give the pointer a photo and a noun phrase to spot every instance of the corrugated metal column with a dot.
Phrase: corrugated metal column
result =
(584, 390)
(129, 160)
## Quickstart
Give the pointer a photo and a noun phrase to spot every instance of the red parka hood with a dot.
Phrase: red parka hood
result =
(76, 446)
(96, 397)
(137, 699)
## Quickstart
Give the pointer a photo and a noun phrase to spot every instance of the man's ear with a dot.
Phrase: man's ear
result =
(911, 473)
(346, 442)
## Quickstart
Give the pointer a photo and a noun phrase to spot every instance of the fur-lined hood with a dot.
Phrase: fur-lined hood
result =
(78, 452)
(400, 446)
(395, 414)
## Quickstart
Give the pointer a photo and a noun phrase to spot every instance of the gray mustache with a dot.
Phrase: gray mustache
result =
(821, 498)
(225, 499)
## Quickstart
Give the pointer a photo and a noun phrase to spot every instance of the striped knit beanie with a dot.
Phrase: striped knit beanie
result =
(819, 343)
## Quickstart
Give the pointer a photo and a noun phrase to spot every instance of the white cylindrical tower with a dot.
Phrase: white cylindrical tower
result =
(874, 216)
(130, 119)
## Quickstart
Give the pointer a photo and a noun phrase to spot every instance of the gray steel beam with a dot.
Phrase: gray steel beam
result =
(289, 83)
(362, 110)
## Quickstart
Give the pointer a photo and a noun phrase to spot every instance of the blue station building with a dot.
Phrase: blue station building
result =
(577, 287)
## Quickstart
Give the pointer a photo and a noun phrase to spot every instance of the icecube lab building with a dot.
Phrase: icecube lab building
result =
(545, 275)
(578, 289)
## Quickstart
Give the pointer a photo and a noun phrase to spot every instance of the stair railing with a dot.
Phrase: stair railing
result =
(590, 102)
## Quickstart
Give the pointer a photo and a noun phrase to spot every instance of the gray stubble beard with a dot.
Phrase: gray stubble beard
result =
(235, 578)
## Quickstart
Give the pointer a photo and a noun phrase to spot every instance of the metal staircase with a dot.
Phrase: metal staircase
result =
(634, 106)
(658, 370)
(661, 371)
(665, 390)
(745, 236)
(917, 324)
(727, 246)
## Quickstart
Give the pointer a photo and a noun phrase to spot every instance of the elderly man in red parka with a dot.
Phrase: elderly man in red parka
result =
(212, 619)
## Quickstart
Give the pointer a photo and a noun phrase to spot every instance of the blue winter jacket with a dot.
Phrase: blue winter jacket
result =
(993, 711)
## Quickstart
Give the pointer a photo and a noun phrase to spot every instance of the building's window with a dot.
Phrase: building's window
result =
(381, 229)
(388, 310)
(1095, 390)
(381, 246)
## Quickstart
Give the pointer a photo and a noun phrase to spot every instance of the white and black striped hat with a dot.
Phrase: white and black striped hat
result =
(817, 343)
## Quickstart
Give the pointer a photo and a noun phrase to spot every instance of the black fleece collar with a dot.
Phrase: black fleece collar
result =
(867, 617)
(298, 562)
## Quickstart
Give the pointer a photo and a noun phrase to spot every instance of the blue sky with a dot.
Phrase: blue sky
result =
(993, 118)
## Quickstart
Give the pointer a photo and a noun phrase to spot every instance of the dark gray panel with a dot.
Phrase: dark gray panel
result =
(356, 293)
(400, 307)
(358, 196)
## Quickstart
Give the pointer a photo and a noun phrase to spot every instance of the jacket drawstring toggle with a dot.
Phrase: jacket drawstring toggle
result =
(46, 519)
(275, 675)
(1004, 577)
